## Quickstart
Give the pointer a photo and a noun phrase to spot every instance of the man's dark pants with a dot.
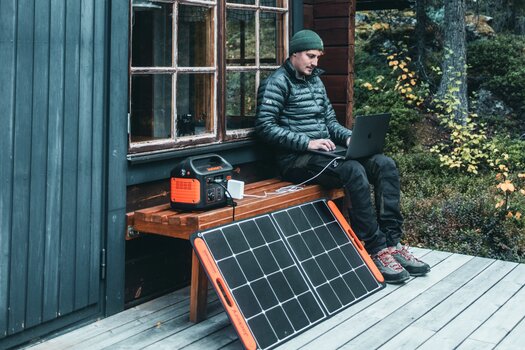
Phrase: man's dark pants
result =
(379, 228)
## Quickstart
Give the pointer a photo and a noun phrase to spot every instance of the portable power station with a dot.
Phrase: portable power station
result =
(198, 183)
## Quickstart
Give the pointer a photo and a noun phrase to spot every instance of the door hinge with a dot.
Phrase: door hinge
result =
(103, 264)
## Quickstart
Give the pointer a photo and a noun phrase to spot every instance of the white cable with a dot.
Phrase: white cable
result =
(295, 187)
(298, 187)
(256, 196)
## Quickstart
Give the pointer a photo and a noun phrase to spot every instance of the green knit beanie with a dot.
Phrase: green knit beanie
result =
(305, 40)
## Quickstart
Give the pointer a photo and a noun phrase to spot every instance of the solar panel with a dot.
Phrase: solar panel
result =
(281, 273)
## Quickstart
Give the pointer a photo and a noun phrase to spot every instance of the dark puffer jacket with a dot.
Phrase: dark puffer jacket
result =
(292, 110)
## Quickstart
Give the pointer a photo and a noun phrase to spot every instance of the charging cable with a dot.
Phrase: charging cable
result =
(298, 187)
(285, 189)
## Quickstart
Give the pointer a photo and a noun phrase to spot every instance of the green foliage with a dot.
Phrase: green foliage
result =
(375, 92)
(448, 210)
(498, 65)
(468, 147)
(455, 212)
(515, 150)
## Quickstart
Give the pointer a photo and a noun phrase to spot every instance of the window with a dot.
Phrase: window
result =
(195, 66)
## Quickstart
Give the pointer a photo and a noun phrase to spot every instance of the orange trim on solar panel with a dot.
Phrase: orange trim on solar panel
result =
(236, 317)
(353, 237)
(185, 190)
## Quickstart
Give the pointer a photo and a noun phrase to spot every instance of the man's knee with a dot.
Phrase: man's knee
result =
(384, 165)
(353, 172)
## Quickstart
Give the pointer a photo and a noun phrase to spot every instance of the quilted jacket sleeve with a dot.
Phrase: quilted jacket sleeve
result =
(271, 100)
(338, 133)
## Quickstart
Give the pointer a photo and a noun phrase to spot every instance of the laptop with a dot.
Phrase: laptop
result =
(368, 138)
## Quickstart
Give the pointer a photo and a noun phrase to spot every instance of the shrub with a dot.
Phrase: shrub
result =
(375, 92)
(498, 65)
(456, 213)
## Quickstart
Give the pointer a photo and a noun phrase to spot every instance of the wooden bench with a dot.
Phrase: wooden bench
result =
(164, 221)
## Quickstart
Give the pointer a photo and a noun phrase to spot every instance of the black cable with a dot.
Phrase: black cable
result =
(229, 200)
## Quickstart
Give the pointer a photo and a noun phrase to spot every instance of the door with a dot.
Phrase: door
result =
(52, 164)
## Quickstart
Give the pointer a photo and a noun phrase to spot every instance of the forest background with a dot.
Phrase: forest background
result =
(452, 74)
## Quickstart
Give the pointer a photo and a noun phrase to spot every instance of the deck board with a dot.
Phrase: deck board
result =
(465, 302)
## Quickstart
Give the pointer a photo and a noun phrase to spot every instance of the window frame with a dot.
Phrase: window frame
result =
(220, 134)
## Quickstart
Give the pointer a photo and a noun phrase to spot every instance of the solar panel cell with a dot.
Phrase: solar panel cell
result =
(280, 287)
(267, 229)
(218, 246)
(299, 248)
(262, 331)
(266, 260)
(252, 234)
(280, 323)
(235, 238)
(281, 254)
(247, 301)
(327, 266)
(264, 293)
(313, 243)
(329, 298)
(285, 223)
(296, 314)
(250, 266)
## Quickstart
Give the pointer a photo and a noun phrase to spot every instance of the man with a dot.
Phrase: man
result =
(295, 115)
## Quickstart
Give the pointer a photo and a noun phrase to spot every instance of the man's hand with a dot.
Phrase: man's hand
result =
(348, 141)
(322, 144)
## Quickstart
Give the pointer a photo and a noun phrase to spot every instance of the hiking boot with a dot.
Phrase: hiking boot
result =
(391, 270)
(413, 265)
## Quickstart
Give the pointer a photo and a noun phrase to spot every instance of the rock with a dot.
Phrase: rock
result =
(490, 106)
(478, 26)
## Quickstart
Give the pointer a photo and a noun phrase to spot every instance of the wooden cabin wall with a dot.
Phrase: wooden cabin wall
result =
(55, 65)
(334, 21)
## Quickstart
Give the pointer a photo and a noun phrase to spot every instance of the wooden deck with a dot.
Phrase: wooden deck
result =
(465, 302)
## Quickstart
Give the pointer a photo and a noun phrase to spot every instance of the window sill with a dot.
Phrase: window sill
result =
(154, 156)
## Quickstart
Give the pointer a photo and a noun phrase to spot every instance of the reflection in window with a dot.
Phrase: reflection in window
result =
(151, 32)
(240, 44)
(269, 44)
(195, 48)
(150, 107)
(241, 100)
(194, 104)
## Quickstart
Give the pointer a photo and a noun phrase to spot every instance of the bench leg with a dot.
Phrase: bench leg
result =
(198, 291)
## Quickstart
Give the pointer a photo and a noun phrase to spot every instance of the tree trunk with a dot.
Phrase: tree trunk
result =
(420, 32)
(452, 90)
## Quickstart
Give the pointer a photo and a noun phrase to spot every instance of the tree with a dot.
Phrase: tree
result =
(420, 32)
(452, 92)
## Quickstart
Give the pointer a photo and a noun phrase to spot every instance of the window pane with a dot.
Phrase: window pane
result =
(151, 31)
(240, 38)
(272, 3)
(150, 107)
(246, 2)
(195, 36)
(241, 100)
(195, 104)
(269, 41)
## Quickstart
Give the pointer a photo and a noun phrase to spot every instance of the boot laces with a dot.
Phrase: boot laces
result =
(406, 253)
(387, 260)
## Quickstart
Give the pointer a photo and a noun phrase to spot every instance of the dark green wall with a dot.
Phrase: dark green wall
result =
(63, 95)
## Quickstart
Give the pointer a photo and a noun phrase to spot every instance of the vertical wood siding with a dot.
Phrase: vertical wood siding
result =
(52, 154)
